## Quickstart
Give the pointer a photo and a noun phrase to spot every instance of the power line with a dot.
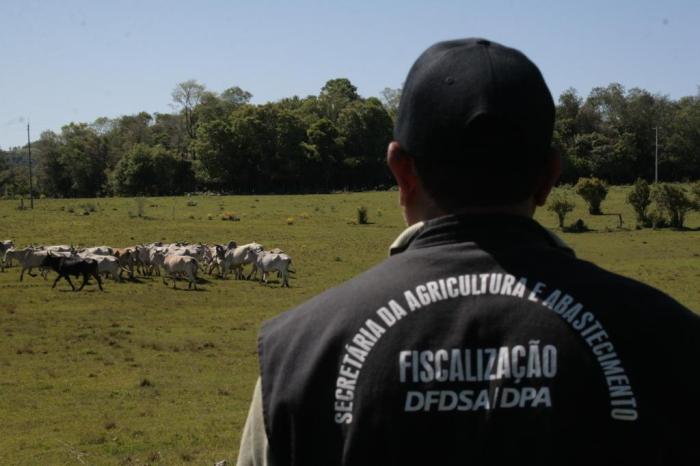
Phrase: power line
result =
(29, 155)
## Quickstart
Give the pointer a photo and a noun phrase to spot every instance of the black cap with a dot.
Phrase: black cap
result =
(478, 102)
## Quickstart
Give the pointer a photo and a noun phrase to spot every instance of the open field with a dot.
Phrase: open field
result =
(143, 374)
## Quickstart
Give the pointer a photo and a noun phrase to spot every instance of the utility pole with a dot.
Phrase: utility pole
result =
(29, 155)
(656, 155)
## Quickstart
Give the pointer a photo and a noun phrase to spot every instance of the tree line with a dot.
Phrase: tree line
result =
(335, 140)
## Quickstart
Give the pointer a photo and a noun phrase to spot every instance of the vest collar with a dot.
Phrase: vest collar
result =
(484, 229)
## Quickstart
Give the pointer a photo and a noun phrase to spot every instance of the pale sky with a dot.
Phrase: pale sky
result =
(75, 60)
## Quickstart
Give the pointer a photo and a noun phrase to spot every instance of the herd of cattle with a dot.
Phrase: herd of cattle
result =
(170, 261)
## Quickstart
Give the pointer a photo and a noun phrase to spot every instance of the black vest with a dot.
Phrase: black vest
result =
(484, 342)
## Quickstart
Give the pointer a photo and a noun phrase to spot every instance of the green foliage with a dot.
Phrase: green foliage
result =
(639, 198)
(390, 100)
(236, 96)
(579, 226)
(593, 191)
(560, 203)
(187, 95)
(611, 135)
(140, 203)
(82, 161)
(333, 141)
(695, 190)
(151, 171)
(335, 95)
(362, 217)
(673, 201)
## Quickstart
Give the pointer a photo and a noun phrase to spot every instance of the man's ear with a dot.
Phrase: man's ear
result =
(550, 176)
(403, 168)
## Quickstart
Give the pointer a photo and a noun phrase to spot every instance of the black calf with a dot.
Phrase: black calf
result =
(67, 266)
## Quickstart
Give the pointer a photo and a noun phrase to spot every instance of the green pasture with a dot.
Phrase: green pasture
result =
(144, 374)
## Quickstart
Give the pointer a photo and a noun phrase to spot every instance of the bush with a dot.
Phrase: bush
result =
(579, 226)
(140, 206)
(672, 201)
(655, 220)
(362, 218)
(560, 204)
(88, 207)
(640, 198)
(695, 189)
(593, 191)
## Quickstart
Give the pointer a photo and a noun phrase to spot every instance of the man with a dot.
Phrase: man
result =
(482, 339)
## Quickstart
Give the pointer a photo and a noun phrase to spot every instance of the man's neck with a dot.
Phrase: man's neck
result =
(430, 211)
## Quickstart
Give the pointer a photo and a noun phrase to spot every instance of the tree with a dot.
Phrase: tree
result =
(4, 173)
(216, 149)
(561, 205)
(695, 190)
(187, 95)
(169, 132)
(673, 201)
(390, 100)
(680, 141)
(154, 171)
(335, 95)
(567, 116)
(83, 154)
(366, 129)
(236, 96)
(323, 151)
(593, 191)
(53, 178)
(640, 198)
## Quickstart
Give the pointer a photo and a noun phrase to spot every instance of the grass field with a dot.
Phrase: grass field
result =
(143, 374)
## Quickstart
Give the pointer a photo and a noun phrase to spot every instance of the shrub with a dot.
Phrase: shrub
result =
(560, 204)
(640, 198)
(290, 220)
(140, 206)
(362, 218)
(695, 189)
(673, 201)
(88, 207)
(579, 226)
(593, 191)
(655, 220)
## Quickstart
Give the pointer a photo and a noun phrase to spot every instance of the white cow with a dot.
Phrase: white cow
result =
(174, 265)
(268, 262)
(106, 265)
(28, 259)
(143, 256)
(215, 258)
(98, 251)
(57, 248)
(197, 251)
(236, 258)
(4, 247)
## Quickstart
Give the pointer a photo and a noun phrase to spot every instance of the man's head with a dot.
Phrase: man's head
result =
(475, 127)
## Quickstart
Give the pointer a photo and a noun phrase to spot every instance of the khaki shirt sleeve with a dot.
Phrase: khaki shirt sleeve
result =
(255, 449)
